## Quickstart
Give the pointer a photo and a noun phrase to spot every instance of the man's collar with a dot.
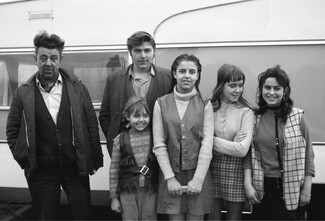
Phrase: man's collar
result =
(152, 71)
(59, 80)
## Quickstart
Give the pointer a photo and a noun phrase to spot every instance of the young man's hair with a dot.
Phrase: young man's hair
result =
(138, 38)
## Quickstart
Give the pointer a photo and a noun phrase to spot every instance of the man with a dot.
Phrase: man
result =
(52, 131)
(141, 78)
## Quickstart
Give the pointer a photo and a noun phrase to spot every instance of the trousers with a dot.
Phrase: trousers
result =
(45, 189)
(272, 206)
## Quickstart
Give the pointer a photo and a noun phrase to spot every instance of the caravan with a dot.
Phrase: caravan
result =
(252, 34)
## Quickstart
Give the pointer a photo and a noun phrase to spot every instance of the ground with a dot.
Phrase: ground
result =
(8, 211)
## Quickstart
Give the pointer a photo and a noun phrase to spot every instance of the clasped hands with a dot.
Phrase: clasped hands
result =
(176, 189)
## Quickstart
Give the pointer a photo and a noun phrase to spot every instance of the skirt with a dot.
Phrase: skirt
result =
(195, 205)
(228, 178)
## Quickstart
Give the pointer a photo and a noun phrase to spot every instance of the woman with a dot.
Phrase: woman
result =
(183, 136)
(233, 128)
(279, 170)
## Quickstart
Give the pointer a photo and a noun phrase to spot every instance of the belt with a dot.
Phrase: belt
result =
(146, 171)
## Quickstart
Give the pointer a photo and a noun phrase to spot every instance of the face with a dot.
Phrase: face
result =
(186, 75)
(232, 91)
(139, 121)
(142, 56)
(272, 92)
(48, 63)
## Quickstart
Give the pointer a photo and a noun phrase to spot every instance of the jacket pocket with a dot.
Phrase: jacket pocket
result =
(21, 151)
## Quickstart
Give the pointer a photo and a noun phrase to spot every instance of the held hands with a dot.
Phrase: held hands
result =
(240, 136)
(251, 194)
(194, 186)
(191, 191)
(174, 187)
(116, 205)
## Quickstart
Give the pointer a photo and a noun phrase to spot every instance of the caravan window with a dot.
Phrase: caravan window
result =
(91, 67)
(303, 63)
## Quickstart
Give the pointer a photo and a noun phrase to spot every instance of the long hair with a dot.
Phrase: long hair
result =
(283, 80)
(226, 74)
(188, 57)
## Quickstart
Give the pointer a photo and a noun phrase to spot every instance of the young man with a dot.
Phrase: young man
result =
(141, 78)
(52, 131)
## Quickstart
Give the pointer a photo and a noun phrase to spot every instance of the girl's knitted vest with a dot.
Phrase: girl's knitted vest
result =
(130, 171)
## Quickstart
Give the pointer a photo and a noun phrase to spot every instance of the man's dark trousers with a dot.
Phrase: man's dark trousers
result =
(45, 189)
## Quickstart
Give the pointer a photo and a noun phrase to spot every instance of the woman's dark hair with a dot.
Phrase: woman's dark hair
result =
(135, 104)
(226, 74)
(43, 39)
(187, 57)
(283, 80)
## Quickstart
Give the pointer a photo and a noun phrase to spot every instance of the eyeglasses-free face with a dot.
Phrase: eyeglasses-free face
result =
(272, 92)
(186, 75)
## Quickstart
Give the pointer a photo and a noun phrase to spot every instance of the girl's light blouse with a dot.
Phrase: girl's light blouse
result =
(228, 120)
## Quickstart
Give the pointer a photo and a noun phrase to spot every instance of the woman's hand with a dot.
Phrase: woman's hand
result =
(240, 136)
(174, 187)
(116, 205)
(191, 191)
(194, 186)
(304, 198)
(251, 194)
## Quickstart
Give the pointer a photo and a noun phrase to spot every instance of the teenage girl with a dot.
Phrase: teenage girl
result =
(183, 137)
(233, 127)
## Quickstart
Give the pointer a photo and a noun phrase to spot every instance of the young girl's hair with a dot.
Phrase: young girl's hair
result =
(188, 57)
(226, 74)
(135, 105)
(283, 80)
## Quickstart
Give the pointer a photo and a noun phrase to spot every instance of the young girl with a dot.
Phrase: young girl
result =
(134, 169)
(183, 137)
(279, 170)
(233, 127)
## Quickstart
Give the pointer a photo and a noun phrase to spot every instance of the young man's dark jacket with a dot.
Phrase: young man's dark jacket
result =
(21, 129)
(119, 89)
